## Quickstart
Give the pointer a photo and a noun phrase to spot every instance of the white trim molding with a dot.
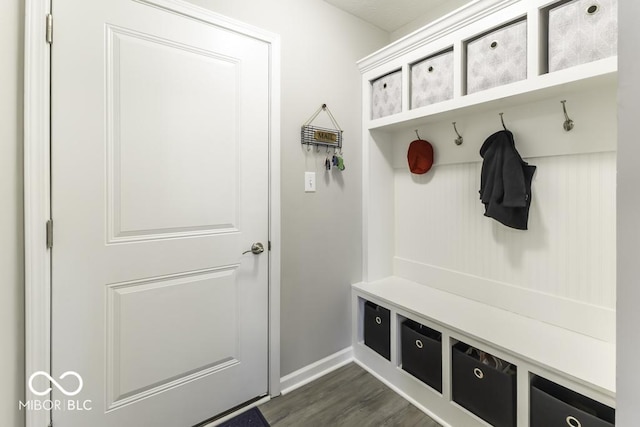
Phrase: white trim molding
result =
(437, 29)
(37, 197)
(587, 319)
(316, 370)
(274, 218)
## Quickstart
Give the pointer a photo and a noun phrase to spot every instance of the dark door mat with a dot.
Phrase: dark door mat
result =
(251, 418)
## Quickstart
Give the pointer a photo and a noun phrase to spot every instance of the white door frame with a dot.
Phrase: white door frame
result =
(37, 190)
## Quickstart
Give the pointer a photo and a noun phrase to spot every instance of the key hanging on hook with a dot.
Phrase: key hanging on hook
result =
(568, 123)
(459, 139)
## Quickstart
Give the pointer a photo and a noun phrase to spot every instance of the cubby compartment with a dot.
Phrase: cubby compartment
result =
(555, 405)
(421, 349)
(386, 95)
(432, 79)
(497, 58)
(582, 31)
(377, 329)
(484, 384)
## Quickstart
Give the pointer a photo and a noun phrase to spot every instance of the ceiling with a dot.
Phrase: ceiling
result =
(387, 14)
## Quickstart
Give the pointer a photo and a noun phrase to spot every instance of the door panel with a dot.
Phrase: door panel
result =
(193, 100)
(136, 310)
(160, 139)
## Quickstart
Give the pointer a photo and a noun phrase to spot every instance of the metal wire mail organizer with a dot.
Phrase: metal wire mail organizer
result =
(314, 135)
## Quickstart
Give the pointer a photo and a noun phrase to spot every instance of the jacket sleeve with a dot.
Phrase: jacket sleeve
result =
(515, 191)
(486, 180)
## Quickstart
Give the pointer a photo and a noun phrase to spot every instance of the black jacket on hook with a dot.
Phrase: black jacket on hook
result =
(505, 182)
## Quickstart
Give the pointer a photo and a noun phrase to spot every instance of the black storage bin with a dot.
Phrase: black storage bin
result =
(488, 392)
(554, 405)
(422, 353)
(377, 329)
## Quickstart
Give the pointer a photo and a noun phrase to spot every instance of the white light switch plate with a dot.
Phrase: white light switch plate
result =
(309, 182)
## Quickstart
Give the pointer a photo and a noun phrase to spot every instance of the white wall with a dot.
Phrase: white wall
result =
(567, 257)
(568, 250)
(11, 242)
(565, 260)
(321, 232)
(628, 375)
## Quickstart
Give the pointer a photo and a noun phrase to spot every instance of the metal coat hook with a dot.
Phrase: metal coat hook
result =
(459, 139)
(418, 135)
(568, 123)
(502, 120)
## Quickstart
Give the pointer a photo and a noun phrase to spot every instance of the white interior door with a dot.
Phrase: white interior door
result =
(160, 139)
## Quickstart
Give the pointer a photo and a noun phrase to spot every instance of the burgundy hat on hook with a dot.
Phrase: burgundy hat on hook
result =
(420, 156)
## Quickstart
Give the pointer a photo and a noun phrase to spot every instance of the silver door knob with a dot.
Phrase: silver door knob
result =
(256, 249)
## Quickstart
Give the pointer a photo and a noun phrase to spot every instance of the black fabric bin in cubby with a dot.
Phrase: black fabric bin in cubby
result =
(422, 353)
(554, 405)
(486, 391)
(377, 329)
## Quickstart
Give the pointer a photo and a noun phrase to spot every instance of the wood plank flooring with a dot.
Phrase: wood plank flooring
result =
(347, 397)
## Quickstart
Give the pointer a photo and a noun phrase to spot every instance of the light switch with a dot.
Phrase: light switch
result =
(309, 182)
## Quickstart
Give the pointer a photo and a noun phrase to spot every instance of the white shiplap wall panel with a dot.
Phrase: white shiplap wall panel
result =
(568, 251)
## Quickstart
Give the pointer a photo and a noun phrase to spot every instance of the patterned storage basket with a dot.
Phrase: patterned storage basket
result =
(432, 80)
(497, 58)
(386, 96)
(582, 31)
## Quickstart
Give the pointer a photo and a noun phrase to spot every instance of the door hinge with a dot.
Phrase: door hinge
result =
(269, 245)
(49, 234)
(49, 32)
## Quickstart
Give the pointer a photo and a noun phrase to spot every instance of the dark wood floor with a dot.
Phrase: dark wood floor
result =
(348, 396)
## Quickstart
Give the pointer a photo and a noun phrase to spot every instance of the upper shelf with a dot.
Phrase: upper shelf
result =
(582, 85)
(550, 85)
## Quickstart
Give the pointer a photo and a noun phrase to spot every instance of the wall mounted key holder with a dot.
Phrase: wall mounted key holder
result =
(319, 136)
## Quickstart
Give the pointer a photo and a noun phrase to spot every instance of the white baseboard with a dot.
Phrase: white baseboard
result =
(311, 372)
